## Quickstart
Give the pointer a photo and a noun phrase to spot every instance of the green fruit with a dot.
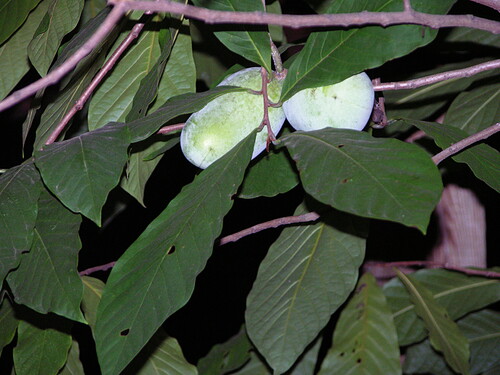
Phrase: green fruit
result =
(347, 104)
(214, 130)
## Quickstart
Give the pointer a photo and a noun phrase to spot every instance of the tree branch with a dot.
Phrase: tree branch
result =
(134, 33)
(489, 3)
(91, 270)
(460, 145)
(429, 80)
(315, 20)
(171, 128)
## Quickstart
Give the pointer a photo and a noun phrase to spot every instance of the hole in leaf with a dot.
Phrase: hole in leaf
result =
(171, 250)
(342, 354)
(358, 360)
(354, 350)
(124, 332)
(344, 181)
(340, 146)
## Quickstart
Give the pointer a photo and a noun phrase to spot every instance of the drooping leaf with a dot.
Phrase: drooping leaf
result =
(42, 347)
(332, 56)
(475, 110)
(226, 357)
(73, 364)
(164, 356)
(306, 275)
(12, 15)
(62, 16)
(113, 99)
(14, 62)
(456, 292)
(92, 294)
(47, 278)
(371, 177)
(365, 338)
(250, 42)
(276, 31)
(81, 171)
(155, 277)
(178, 105)
(8, 323)
(483, 160)
(271, 175)
(481, 330)
(444, 334)
(20, 188)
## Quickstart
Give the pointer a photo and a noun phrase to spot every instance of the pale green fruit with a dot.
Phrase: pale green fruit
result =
(214, 130)
(347, 104)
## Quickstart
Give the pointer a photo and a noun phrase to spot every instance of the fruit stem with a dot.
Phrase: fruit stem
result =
(265, 121)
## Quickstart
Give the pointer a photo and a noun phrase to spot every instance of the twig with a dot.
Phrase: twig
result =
(424, 81)
(53, 77)
(316, 20)
(430, 264)
(134, 33)
(103, 267)
(460, 145)
(171, 128)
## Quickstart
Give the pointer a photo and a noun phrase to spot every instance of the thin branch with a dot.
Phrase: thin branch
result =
(429, 80)
(489, 3)
(134, 33)
(53, 77)
(275, 223)
(460, 145)
(171, 128)
(430, 264)
(91, 270)
(315, 20)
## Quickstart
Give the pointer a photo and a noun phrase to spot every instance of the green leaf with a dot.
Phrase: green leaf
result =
(276, 31)
(42, 348)
(92, 294)
(371, 177)
(475, 110)
(226, 357)
(306, 275)
(155, 277)
(47, 279)
(483, 160)
(255, 366)
(14, 62)
(91, 9)
(113, 99)
(306, 364)
(178, 105)
(78, 80)
(62, 17)
(365, 339)
(73, 364)
(332, 56)
(20, 188)
(8, 323)
(271, 175)
(456, 292)
(12, 15)
(481, 330)
(444, 333)
(248, 41)
(164, 356)
(82, 170)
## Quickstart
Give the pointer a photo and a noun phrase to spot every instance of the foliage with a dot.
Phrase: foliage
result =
(179, 299)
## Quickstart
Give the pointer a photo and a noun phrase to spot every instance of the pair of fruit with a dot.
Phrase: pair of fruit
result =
(211, 132)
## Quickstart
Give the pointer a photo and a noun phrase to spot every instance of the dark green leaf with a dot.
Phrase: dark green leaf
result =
(255, 366)
(82, 170)
(91, 9)
(272, 174)
(371, 177)
(226, 357)
(73, 364)
(168, 144)
(47, 279)
(20, 188)
(156, 275)
(306, 275)
(444, 334)
(456, 292)
(8, 323)
(250, 42)
(482, 331)
(475, 110)
(483, 160)
(62, 17)
(42, 347)
(12, 15)
(332, 56)
(365, 339)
